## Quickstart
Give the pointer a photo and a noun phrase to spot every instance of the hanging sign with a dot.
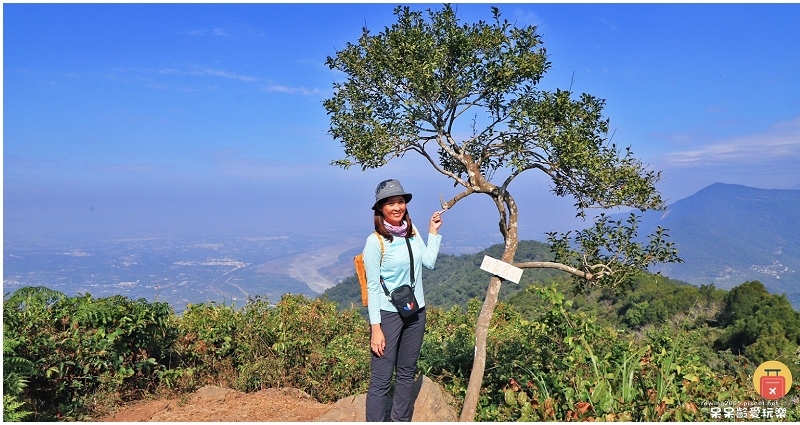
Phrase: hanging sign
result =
(501, 269)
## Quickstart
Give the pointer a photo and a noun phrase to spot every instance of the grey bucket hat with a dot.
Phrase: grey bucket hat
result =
(387, 189)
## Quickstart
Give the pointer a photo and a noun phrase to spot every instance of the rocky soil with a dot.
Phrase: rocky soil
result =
(217, 404)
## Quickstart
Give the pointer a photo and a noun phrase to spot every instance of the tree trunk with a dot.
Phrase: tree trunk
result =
(470, 407)
(479, 362)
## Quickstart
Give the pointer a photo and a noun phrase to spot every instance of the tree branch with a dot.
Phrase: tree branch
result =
(449, 204)
(558, 266)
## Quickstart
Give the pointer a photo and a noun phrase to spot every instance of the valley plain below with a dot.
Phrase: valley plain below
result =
(726, 235)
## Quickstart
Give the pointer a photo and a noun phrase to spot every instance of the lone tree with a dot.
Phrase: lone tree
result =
(465, 97)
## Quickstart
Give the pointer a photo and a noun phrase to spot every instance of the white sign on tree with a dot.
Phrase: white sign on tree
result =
(503, 270)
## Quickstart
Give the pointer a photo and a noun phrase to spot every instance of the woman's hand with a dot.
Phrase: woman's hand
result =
(377, 340)
(436, 223)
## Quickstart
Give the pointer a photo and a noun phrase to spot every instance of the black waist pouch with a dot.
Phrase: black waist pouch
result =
(404, 300)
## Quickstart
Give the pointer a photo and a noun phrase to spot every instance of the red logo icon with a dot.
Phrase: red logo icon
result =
(772, 380)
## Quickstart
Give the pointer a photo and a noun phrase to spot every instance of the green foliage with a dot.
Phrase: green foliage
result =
(447, 349)
(760, 325)
(81, 351)
(13, 409)
(606, 254)
(550, 356)
(417, 74)
(70, 357)
(654, 300)
(563, 366)
(427, 77)
(299, 343)
(743, 301)
(16, 372)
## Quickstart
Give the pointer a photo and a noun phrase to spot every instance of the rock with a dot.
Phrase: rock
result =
(431, 404)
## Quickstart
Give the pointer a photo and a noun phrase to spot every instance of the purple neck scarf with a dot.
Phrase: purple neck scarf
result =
(399, 231)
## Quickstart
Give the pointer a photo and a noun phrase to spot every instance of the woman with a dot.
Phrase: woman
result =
(395, 340)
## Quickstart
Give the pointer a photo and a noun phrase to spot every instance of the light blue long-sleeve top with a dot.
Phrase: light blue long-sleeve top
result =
(396, 268)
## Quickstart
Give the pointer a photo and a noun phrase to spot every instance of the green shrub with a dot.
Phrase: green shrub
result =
(68, 357)
(16, 373)
(563, 366)
(84, 352)
(300, 343)
(759, 325)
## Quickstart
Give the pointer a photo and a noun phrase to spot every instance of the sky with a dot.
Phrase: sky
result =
(138, 120)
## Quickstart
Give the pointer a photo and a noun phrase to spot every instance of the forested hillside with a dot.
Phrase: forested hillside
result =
(456, 279)
(728, 234)
(652, 299)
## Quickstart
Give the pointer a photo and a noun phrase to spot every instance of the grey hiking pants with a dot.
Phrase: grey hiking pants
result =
(403, 344)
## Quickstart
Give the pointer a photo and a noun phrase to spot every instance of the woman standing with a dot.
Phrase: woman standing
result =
(395, 340)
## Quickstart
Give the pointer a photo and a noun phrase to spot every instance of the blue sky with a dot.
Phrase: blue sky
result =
(151, 119)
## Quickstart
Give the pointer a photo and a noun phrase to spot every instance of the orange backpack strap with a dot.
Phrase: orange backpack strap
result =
(361, 271)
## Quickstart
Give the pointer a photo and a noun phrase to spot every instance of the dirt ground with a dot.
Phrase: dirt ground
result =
(216, 404)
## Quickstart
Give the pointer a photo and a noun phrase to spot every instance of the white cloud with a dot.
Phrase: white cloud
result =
(768, 160)
(524, 17)
(292, 90)
(219, 32)
(223, 74)
(204, 71)
(194, 33)
(232, 31)
(140, 169)
(780, 142)
(174, 78)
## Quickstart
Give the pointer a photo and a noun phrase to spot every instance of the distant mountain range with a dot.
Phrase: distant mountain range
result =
(729, 234)
(725, 234)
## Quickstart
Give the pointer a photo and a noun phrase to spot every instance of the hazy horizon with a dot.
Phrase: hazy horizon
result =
(204, 119)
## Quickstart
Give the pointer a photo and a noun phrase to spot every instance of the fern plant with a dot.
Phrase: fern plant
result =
(16, 371)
